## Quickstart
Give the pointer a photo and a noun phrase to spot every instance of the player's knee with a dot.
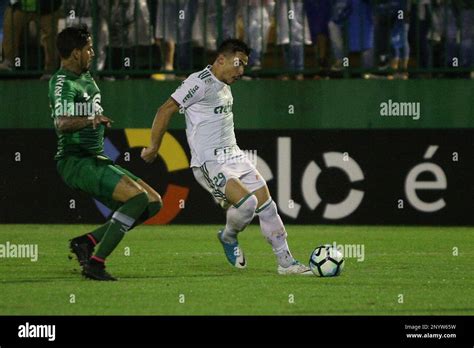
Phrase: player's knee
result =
(140, 199)
(155, 198)
(154, 208)
(155, 203)
(246, 206)
(268, 207)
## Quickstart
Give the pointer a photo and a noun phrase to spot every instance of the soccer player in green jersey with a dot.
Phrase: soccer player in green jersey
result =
(81, 162)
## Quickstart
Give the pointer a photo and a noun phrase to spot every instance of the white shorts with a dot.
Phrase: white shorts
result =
(214, 175)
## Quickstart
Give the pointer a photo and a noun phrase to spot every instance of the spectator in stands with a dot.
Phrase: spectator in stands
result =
(420, 24)
(3, 6)
(354, 17)
(318, 13)
(340, 11)
(256, 15)
(230, 8)
(385, 14)
(290, 25)
(129, 25)
(173, 31)
(361, 30)
(443, 33)
(465, 10)
(399, 38)
(17, 15)
(205, 25)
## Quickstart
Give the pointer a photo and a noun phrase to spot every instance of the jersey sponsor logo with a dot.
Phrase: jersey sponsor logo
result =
(223, 109)
(190, 94)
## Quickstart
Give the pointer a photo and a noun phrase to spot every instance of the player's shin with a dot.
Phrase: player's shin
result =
(122, 220)
(238, 217)
(96, 236)
(152, 209)
(274, 232)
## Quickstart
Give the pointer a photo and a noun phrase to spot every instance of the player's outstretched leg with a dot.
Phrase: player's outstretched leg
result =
(274, 232)
(238, 217)
(155, 203)
(135, 203)
(83, 246)
(122, 220)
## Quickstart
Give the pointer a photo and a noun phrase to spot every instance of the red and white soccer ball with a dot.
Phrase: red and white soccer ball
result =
(326, 261)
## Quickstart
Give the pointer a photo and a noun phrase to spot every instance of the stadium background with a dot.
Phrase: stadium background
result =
(324, 147)
(333, 162)
(287, 124)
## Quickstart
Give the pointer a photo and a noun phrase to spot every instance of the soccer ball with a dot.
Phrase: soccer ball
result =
(326, 261)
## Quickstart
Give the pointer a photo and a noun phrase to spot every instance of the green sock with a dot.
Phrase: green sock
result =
(122, 220)
(152, 209)
(99, 232)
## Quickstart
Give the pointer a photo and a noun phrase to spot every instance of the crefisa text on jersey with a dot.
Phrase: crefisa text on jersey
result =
(37, 331)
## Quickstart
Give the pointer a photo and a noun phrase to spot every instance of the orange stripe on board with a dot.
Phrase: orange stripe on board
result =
(172, 198)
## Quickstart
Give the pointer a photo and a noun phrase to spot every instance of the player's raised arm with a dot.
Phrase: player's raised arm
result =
(158, 129)
(68, 124)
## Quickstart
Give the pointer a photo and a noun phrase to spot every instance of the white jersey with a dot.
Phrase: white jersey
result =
(207, 104)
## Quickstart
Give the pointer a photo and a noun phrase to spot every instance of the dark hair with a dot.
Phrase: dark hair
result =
(233, 46)
(71, 38)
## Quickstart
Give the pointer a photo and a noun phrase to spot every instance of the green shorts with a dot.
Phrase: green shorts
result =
(96, 176)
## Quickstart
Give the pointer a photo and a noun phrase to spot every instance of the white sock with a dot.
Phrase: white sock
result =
(274, 232)
(238, 217)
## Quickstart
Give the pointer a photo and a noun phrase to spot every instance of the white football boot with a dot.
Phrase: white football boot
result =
(295, 268)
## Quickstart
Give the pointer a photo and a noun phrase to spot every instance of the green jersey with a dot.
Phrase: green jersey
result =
(74, 95)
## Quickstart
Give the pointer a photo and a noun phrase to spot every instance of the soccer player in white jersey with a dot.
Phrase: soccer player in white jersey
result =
(217, 162)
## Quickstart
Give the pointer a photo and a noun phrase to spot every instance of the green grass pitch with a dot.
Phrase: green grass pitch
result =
(406, 271)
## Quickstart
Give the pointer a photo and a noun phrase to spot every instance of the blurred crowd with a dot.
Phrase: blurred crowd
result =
(288, 38)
